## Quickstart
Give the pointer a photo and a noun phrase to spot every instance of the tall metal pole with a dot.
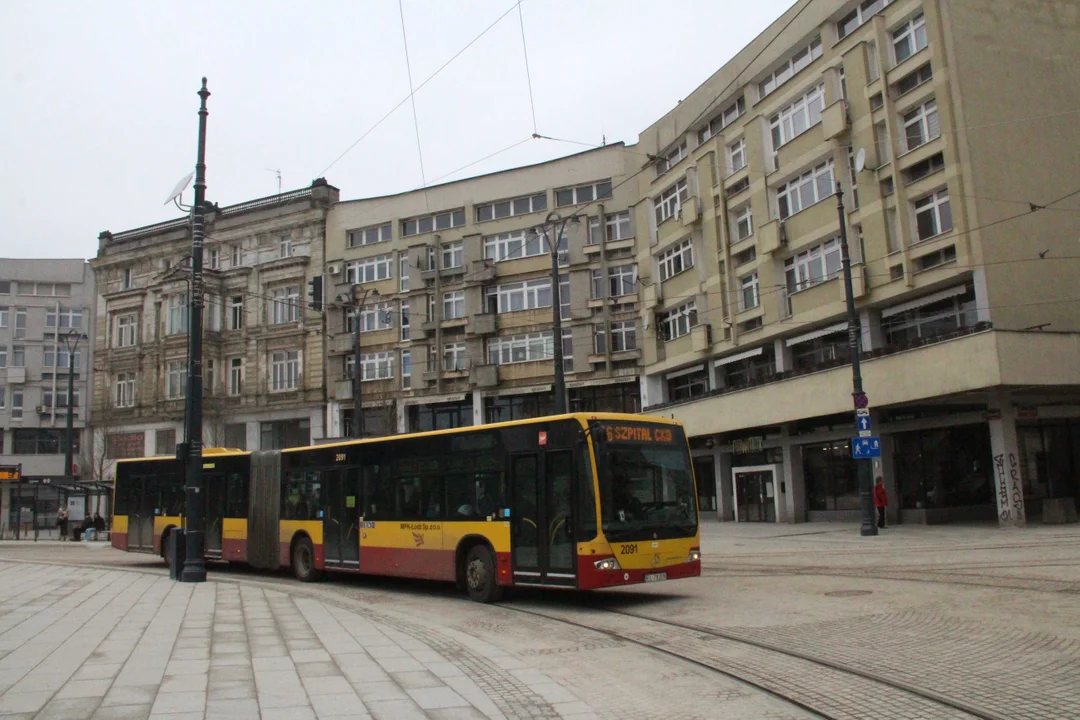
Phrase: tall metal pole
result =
(194, 565)
(69, 459)
(555, 228)
(864, 470)
(358, 412)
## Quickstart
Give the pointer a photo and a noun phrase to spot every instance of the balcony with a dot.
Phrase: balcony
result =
(483, 271)
(484, 376)
(342, 344)
(341, 390)
(481, 324)
(834, 121)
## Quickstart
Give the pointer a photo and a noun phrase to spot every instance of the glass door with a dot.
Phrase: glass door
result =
(214, 512)
(542, 519)
(755, 491)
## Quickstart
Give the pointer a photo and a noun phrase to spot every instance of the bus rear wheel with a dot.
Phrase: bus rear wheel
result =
(303, 561)
(480, 580)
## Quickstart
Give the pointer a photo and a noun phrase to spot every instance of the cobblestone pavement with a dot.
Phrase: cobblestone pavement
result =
(82, 642)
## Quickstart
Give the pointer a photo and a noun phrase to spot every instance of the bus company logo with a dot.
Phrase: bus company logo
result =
(656, 561)
(418, 538)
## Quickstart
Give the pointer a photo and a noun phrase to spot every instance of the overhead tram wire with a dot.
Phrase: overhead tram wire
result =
(528, 73)
(418, 88)
(412, 99)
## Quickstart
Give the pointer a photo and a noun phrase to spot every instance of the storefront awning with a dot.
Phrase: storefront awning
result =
(838, 327)
(924, 300)
(434, 399)
(508, 392)
(684, 371)
(739, 356)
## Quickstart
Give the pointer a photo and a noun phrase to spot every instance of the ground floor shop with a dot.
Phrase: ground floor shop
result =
(947, 462)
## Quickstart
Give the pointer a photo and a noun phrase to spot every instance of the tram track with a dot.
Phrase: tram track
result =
(823, 687)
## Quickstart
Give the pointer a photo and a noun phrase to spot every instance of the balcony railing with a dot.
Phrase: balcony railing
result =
(828, 365)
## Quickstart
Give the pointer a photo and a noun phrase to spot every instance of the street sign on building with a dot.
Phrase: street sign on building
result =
(863, 424)
(861, 401)
(862, 412)
(863, 448)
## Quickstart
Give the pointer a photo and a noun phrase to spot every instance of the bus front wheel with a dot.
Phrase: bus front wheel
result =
(480, 580)
(303, 561)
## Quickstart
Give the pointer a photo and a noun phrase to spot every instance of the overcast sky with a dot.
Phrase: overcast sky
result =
(100, 106)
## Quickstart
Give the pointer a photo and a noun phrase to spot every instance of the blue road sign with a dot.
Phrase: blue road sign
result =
(863, 423)
(865, 448)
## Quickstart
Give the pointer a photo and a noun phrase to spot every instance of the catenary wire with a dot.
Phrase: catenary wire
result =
(528, 73)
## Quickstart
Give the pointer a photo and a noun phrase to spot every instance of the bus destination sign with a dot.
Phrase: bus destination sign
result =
(638, 433)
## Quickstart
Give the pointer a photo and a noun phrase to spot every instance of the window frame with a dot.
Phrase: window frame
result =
(681, 254)
(236, 377)
(453, 305)
(377, 366)
(285, 371)
(433, 222)
(749, 283)
(933, 203)
(379, 267)
(521, 348)
(793, 188)
(790, 67)
(284, 305)
(808, 107)
(383, 232)
(800, 267)
(910, 31)
(176, 372)
(599, 190)
(679, 321)
(737, 148)
(126, 334)
(722, 120)
(927, 121)
(537, 203)
(670, 159)
(668, 203)
(453, 255)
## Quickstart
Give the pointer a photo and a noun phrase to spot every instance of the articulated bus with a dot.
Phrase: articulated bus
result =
(579, 501)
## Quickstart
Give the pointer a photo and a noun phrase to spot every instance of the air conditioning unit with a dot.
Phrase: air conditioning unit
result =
(334, 268)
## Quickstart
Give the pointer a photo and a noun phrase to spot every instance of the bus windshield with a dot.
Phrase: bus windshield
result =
(646, 486)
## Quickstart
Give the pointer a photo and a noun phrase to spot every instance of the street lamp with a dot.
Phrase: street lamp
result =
(71, 342)
(554, 226)
(863, 468)
(358, 413)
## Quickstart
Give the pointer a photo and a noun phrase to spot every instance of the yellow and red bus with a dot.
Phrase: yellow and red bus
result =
(581, 501)
(148, 503)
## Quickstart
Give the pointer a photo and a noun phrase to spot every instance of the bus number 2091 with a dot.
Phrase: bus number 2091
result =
(628, 549)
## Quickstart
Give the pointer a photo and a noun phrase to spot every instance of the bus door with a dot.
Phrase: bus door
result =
(341, 531)
(144, 500)
(214, 511)
(542, 520)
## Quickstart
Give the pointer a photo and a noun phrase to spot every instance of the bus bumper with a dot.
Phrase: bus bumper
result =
(590, 578)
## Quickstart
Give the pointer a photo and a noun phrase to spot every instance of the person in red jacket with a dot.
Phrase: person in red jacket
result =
(881, 499)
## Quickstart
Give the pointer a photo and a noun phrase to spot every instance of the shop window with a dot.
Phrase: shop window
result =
(830, 473)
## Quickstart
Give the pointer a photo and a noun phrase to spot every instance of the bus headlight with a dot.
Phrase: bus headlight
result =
(606, 564)
(694, 556)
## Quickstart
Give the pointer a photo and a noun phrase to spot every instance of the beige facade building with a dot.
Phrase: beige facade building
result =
(263, 346)
(950, 126)
(461, 331)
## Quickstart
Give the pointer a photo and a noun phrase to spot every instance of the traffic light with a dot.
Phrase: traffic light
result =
(315, 293)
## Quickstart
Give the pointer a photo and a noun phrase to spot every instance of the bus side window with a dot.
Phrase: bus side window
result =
(295, 505)
(433, 490)
(490, 493)
(459, 497)
(409, 498)
(378, 494)
(236, 498)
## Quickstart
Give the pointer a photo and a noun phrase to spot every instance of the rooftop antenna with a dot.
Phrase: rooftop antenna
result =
(278, 172)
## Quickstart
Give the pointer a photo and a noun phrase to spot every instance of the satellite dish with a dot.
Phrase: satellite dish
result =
(860, 160)
(180, 187)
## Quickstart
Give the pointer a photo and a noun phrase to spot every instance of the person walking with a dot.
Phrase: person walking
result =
(62, 521)
(881, 500)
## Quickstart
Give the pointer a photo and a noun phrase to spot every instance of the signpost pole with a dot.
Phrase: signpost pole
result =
(864, 467)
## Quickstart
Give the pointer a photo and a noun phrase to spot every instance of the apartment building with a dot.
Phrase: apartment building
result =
(452, 290)
(263, 382)
(951, 127)
(41, 303)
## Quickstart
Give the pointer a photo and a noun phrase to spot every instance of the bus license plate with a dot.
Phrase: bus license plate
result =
(655, 577)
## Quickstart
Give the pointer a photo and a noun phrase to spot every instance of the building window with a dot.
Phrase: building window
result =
(127, 330)
(377, 366)
(676, 259)
(175, 379)
(866, 10)
(406, 327)
(514, 245)
(213, 258)
(236, 376)
(16, 404)
(124, 390)
(370, 236)
(743, 218)
(809, 188)
(798, 117)
(821, 352)
(176, 321)
(721, 121)
(282, 434)
(831, 477)
(377, 317)
(4, 314)
(931, 320)
(42, 441)
(803, 57)
(673, 158)
(933, 215)
(236, 435)
(369, 270)
(914, 79)
(514, 297)
(20, 322)
(403, 272)
(623, 337)
(209, 376)
(237, 253)
(617, 227)
(3, 357)
(125, 279)
(236, 312)
(285, 307)
(285, 246)
(3, 403)
(921, 125)
(813, 266)
(454, 356)
(18, 356)
(688, 385)
(873, 68)
(736, 156)
(165, 441)
(622, 280)
(57, 358)
(676, 323)
(533, 347)
(454, 305)
(745, 257)
(669, 202)
(924, 168)
(909, 38)
(583, 193)
(748, 292)
(59, 400)
(510, 208)
(453, 255)
(284, 370)
(934, 259)
(428, 223)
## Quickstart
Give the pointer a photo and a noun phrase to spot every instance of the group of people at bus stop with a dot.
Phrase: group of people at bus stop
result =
(89, 529)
